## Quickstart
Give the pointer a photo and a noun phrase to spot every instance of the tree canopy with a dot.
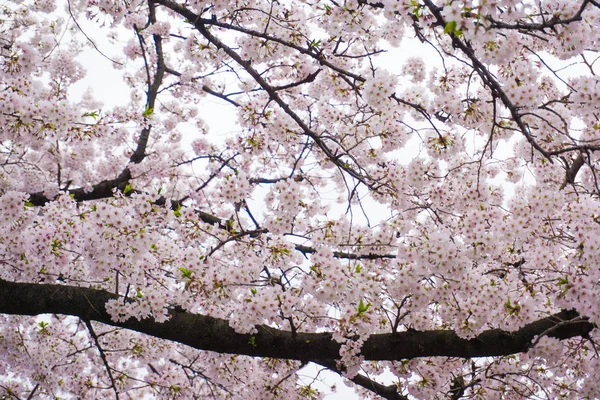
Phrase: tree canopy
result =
(410, 190)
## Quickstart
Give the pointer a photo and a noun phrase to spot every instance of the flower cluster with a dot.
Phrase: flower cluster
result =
(343, 196)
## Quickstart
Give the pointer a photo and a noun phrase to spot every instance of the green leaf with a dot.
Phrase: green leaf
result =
(450, 27)
(93, 114)
(252, 341)
(317, 270)
(44, 328)
(177, 211)
(416, 8)
(127, 189)
(186, 273)
(308, 392)
(28, 204)
(315, 43)
(563, 281)
(512, 309)
(55, 246)
(362, 307)
(229, 226)
(148, 111)
(253, 291)
(137, 349)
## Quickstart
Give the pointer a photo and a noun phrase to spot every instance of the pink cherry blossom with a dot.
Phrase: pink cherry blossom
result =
(402, 189)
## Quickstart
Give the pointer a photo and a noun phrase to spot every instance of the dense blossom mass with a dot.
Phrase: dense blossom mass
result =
(403, 192)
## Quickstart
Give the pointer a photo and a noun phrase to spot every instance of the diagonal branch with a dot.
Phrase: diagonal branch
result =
(107, 367)
(309, 50)
(387, 392)
(331, 155)
(489, 80)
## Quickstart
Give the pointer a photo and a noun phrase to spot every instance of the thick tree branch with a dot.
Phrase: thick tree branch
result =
(101, 190)
(105, 188)
(215, 334)
(572, 170)
(153, 86)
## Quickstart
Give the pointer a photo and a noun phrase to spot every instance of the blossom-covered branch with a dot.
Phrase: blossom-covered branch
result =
(215, 334)
(404, 189)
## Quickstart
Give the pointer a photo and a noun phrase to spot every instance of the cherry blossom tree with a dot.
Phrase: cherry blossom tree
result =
(411, 191)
